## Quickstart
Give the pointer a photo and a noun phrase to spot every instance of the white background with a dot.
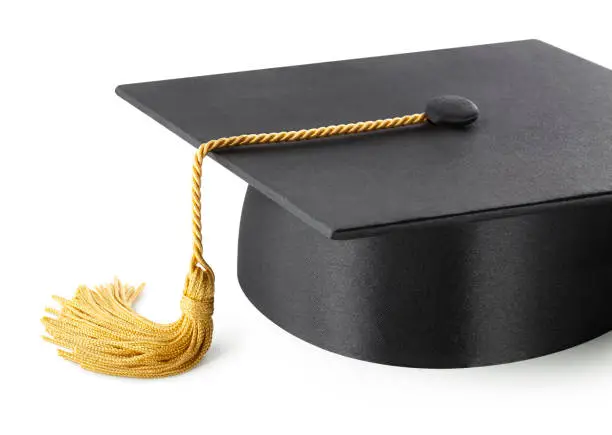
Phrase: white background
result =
(91, 188)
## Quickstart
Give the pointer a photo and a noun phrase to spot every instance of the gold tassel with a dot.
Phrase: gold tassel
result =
(99, 330)
(105, 335)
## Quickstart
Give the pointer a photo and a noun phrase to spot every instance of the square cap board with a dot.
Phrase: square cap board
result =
(543, 137)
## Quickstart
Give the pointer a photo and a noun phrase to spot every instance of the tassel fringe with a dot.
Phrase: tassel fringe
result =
(99, 330)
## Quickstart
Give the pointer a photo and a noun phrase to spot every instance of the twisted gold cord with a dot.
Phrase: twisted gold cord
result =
(283, 136)
(99, 330)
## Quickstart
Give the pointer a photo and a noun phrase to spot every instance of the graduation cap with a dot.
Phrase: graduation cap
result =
(433, 239)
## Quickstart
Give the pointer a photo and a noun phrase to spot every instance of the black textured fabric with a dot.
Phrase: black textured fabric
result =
(544, 133)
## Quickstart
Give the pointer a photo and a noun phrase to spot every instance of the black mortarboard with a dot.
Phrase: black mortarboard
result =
(426, 245)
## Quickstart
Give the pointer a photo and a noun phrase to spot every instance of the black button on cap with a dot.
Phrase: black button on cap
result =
(451, 110)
